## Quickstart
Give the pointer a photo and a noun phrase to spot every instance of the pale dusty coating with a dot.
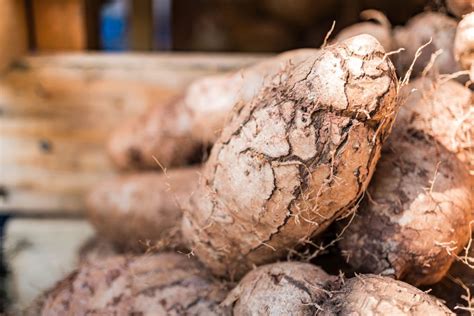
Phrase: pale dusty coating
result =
(163, 284)
(143, 210)
(460, 7)
(175, 133)
(377, 295)
(417, 32)
(286, 288)
(420, 199)
(296, 157)
(464, 42)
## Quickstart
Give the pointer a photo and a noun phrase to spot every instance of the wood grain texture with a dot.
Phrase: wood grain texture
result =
(60, 24)
(57, 111)
(13, 31)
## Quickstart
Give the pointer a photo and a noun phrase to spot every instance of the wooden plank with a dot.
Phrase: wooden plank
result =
(39, 253)
(141, 25)
(60, 25)
(56, 113)
(13, 31)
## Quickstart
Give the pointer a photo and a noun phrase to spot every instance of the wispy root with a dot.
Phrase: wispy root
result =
(406, 78)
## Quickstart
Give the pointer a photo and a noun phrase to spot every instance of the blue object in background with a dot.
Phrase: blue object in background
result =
(114, 25)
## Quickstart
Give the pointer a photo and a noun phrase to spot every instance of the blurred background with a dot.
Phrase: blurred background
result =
(61, 92)
(202, 25)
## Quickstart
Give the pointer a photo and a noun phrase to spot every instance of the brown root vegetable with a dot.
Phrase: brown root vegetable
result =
(381, 29)
(293, 288)
(464, 42)
(418, 31)
(378, 295)
(174, 133)
(460, 7)
(419, 202)
(286, 288)
(162, 284)
(295, 158)
(141, 210)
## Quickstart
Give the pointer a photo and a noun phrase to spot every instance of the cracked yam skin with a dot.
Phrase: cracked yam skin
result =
(378, 295)
(464, 42)
(175, 133)
(418, 32)
(420, 199)
(142, 210)
(285, 288)
(162, 284)
(295, 158)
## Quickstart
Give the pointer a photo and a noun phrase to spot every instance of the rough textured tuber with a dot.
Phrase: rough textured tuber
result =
(419, 203)
(303, 289)
(420, 30)
(460, 7)
(381, 29)
(295, 158)
(286, 288)
(378, 295)
(464, 42)
(141, 210)
(175, 133)
(163, 284)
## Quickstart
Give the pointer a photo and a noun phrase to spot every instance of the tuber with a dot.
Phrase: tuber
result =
(141, 210)
(421, 29)
(464, 42)
(460, 7)
(292, 288)
(174, 134)
(162, 284)
(296, 157)
(381, 29)
(419, 202)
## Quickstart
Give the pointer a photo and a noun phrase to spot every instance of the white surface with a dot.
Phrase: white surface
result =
(40, 252)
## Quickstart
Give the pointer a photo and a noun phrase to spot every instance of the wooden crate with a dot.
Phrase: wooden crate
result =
(57, 111)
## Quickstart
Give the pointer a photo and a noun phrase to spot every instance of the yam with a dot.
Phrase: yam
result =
(460, 7)
(419, 202)
(162, 284)
(296, 157)
(464, 42)
(140, 211)
(292, 288)
(174, 134)
(381, 29)
(419, 30)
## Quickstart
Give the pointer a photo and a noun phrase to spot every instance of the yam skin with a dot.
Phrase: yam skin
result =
(417, 32)
(464, 42)
(162, 284)
(285, 288)
(381, 29)
(175, 133)
(420, 199)
(378, 295)
(292, 160)
(460, 7)
(294, 288)
(141, 210)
